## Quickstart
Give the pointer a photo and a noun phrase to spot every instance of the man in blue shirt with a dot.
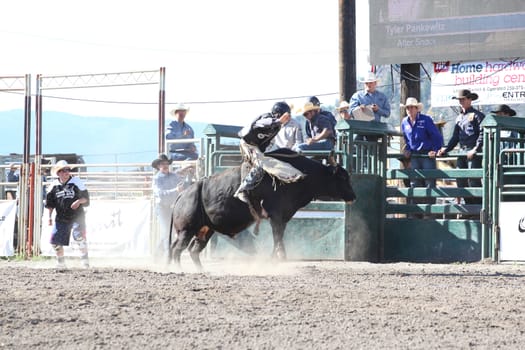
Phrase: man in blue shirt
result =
(422, 138)
(372, 99)
(369, 99)
(179, 129)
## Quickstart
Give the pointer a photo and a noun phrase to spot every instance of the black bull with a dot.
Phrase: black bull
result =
(209, 205)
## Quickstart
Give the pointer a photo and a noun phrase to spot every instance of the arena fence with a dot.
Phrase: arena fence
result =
(504, 190)
(389, 222)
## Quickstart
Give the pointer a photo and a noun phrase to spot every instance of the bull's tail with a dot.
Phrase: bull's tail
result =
(204, 216)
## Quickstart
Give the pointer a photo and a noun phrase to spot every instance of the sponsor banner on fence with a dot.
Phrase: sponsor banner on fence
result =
(498, 82)
(114, 229)
(7, 227)
(512, 231)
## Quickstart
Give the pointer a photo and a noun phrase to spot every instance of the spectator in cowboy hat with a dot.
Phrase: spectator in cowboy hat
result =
(320, 131)
(506, 111)
(68, 196)
(465, 94)
(344, 110)
(371, 97)
(509, 138)
(315, 101)
(467, 132)
(166, 188)
(179, 129)
(422, 140)
(371, 103)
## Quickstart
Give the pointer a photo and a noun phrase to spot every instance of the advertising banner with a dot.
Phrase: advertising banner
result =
(7, 227)
(497, 82)
(114, 229)
(512, 231)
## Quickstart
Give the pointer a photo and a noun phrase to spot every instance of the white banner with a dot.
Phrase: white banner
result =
(114, 229)
(512, 231)
(7, 227)
(499, 82)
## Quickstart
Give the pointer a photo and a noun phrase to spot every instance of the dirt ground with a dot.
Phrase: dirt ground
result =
(243, 304)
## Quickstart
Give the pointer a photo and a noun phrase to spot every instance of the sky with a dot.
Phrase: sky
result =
(216, 53)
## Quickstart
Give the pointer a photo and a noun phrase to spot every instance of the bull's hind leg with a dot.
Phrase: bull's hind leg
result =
(198, 244)
(181, 243)
(278, 227)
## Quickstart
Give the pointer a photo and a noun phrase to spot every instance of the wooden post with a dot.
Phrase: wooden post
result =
(347, 50)
(410, 87)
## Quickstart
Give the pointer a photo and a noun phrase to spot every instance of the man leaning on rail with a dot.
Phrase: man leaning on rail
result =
(179, 129)
(467, 132)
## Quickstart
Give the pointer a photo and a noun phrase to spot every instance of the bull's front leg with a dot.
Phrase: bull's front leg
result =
(278, 227)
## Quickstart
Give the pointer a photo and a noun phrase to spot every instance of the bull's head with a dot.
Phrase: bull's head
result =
(339, 186)
(344, 184)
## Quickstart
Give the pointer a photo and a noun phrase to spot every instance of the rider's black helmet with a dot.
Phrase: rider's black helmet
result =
(314, 100)
(279, 108)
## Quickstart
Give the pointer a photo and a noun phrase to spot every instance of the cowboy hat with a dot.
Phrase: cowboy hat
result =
(412, 101)
(464, 93)
(162, 158)
(505, 109)
(314, 100)
(343, 105)
(309, 106)
(61, 164)
(369, 78)
(179, 107)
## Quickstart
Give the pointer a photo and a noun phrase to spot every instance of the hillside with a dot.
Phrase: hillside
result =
(98, 139)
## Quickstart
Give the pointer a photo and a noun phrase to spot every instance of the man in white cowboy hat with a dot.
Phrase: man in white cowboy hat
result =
(68, 196)
(320, 130)
(179, 129)
(372, 99)
(344, 110)
(166, 188)
(422, 140)
(467, 132)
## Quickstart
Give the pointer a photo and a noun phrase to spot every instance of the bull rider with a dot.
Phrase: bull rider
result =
(254, 140)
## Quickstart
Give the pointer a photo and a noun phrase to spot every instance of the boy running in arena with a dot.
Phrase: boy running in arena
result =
(68, 196)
